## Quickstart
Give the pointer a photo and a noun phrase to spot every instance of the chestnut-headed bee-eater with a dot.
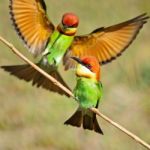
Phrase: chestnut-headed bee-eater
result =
(53, 44)
(88, 92)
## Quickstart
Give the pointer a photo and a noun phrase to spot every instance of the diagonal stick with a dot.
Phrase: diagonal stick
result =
(35, 66)
(136, 138)
(130, 134)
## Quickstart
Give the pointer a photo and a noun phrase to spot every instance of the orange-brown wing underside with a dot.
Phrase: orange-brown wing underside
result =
(105, 43)
(31, 23)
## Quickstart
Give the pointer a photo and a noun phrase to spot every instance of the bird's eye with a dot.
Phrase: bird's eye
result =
(88, 66)
(72, 26)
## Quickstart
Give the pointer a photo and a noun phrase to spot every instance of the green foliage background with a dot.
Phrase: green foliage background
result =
(32, 119)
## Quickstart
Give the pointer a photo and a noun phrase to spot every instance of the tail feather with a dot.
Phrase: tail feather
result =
(75, 119)
(27, 73)
(88, 120)
(37, 79)
(96, 127)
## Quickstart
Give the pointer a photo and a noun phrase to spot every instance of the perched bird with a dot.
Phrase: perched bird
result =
(53, 44)
(88, 92)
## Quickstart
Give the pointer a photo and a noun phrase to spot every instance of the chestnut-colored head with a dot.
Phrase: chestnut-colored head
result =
(88, 67)
(70, 20)
(69, 24)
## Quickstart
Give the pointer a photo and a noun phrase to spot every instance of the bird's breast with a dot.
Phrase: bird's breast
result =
(57, 47)
(87, 92)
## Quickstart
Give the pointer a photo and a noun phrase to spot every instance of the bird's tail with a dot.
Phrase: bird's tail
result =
(27, 73)
(85, 118)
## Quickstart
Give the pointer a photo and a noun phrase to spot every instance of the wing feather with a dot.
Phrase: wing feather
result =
(31, 23)
(105, 43)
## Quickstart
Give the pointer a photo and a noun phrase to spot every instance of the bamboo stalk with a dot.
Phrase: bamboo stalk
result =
(20, 55)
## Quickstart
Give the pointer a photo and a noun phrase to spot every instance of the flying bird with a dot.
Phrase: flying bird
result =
(54, 43)
(88, 92)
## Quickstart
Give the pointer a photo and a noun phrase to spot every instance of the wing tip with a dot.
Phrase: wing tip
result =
(142, 19)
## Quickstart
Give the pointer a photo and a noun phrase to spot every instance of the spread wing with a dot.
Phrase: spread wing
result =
(105, 43)
(31, 23)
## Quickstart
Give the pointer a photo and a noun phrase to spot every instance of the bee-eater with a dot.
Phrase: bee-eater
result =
(88, 92)
(41, 37)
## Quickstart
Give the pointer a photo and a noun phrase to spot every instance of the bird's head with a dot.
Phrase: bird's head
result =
(69, 24)
(88, 67)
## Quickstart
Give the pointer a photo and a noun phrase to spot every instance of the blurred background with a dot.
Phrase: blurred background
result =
(32, 119)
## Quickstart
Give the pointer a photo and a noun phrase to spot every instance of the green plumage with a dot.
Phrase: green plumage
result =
(54, 51)
(88, 92)
(57, 47)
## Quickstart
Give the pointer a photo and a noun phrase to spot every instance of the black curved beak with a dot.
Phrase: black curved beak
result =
(77, 60)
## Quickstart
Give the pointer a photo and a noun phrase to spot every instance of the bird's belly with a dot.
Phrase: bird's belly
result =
(58, 49)
(55, 56)
(87, 94)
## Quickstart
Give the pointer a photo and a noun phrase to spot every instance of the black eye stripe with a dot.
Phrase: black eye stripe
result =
(72, 26)
(87, 66)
